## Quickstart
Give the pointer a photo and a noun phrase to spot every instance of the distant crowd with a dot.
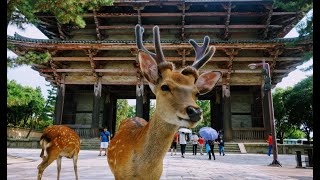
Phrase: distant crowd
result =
(183, 138)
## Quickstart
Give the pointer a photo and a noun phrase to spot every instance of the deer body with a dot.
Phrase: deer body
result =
(58, 141)
(144, 139)
(138, 148)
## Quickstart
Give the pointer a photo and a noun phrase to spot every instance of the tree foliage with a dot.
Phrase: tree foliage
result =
(124, 111)
(205, 106)
(284, 128)
(293, 110)
(27, 108)
(28, 58)
(294, 5)
(299, 105)
(65, 11)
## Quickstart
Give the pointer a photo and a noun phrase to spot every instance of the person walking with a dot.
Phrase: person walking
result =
(211, 144)
(201, 144)
(183, 143)
(194, 140)
(104, 140)
(221, 146)
(269, 141)
(174, 144)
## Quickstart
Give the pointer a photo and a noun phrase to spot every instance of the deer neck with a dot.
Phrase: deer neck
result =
(159, 137)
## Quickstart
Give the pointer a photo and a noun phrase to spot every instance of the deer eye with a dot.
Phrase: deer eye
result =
(165, 88)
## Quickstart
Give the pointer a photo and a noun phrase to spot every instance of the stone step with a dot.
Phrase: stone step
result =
(94, 143)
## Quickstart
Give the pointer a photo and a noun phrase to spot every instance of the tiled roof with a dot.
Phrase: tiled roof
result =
(20, 38)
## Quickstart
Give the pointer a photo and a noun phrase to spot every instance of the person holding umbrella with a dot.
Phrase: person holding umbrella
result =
(211, 144)
(210, 135)
(183, 143)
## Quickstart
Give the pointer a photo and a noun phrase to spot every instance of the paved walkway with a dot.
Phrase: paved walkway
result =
(22, 164)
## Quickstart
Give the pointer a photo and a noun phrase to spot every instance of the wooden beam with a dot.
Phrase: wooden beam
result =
(93, 65)
(227, 20)
(249, 26)
(129, 72)
(57, 77)
(288, 27)
(96, 22)
(268, 20)
(126, 46)
(183, 21)
(61, 33)
(131, 58)
(193, 14)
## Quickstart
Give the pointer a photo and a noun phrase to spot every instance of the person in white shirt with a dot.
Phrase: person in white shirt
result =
(183, 143)
(194, 140)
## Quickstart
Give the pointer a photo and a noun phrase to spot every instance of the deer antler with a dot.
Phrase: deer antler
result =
(201, 57)
(159, 57)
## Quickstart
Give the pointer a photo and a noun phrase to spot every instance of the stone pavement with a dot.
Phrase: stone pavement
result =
(22, 164)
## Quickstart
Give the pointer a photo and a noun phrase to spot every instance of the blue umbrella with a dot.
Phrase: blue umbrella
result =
(208, 133)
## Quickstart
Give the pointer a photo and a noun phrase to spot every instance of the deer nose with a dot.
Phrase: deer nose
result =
(194, 113)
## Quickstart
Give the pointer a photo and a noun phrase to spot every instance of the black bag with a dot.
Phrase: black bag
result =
(210, 142)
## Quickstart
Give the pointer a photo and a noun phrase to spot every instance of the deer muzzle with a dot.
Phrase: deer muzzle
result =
(194, 113)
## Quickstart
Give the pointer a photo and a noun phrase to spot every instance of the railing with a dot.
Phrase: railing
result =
(84, 131)
(245, 134)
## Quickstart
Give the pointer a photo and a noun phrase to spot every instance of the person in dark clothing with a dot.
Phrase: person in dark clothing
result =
(211, 144)
(221, 146)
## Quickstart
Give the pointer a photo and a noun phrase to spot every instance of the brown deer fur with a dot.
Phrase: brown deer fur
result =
(138, 148)
(58, 141)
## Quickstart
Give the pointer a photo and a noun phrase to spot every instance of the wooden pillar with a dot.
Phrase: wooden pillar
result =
(216, 112)
(213, 116)
(96, 104)
(227, 127)
(58, 111)
(265, 112)
(139, 98)
(146, 107)
(114, 116)
(107, 113)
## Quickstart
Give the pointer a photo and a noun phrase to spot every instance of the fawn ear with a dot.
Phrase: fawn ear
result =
(206, 81)
(149, 68)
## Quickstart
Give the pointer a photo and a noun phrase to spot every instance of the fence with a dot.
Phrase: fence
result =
(248, 134)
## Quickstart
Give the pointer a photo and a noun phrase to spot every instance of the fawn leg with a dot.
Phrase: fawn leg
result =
(59, 166)
(75, 166)
(52, 155)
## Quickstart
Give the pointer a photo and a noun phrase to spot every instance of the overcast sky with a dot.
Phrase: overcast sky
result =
(26, 76)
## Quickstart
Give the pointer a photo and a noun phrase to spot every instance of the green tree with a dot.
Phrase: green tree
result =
(297, 134)
(294, 5)
(205, 106)
(284, 128)
(65, 11)
(24, 104)
(122, 111)
(132, 111)
(299, 105)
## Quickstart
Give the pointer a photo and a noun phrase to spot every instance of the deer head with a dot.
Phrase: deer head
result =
(176, 90)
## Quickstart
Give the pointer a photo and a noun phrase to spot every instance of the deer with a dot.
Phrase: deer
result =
(138, 148)
(58, 141)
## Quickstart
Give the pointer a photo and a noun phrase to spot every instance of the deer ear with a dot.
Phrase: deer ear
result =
(149, 67)
(206, 81)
